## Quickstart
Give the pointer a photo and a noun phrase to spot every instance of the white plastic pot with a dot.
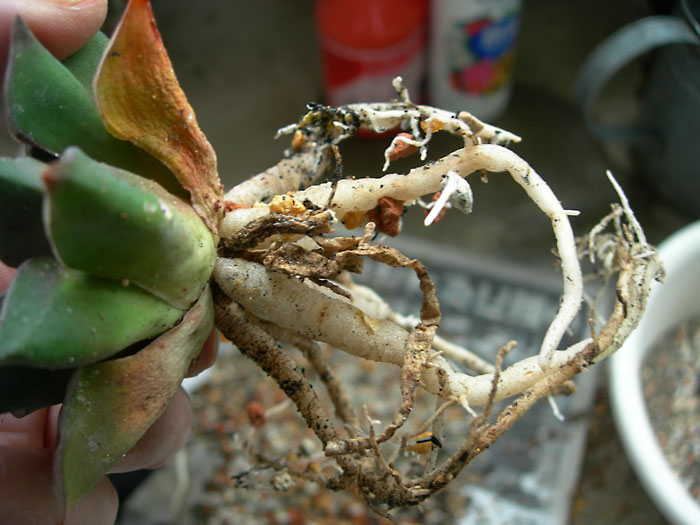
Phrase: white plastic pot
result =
(670, 303)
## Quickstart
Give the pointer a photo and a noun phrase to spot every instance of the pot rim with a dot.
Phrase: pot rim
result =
(669, 304)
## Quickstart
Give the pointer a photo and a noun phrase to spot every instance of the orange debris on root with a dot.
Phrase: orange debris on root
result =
(402, 149)
(387, 216)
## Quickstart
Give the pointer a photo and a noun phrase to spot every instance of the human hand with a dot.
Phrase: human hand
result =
(26, 456)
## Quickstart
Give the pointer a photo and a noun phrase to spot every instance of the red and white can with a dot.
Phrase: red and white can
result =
(366, 43)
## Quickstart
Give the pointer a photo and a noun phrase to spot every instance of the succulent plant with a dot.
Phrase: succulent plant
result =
(128, 252)
(115, 241)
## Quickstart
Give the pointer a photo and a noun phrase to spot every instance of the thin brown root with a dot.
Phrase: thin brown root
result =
(259, 346)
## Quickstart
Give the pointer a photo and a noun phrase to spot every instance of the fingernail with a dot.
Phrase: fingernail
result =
(68, 3)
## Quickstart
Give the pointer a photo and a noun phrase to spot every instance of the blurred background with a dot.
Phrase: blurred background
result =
(249, 68)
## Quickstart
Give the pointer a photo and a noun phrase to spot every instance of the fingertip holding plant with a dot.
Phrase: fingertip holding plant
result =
(143, 227)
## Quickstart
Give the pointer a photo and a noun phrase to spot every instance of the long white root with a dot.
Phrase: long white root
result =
(305, 309)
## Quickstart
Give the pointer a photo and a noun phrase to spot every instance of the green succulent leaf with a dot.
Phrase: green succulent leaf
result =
(56, 317)
(21, 194)
(47, 106)
(110, 405)
(115, 224)
(24, 389)
(84, 62)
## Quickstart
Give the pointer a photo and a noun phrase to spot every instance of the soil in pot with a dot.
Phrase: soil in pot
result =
(671, 379)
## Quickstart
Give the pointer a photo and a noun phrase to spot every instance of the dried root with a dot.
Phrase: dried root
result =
(282, 279)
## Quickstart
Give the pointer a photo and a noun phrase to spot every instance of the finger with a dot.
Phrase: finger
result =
(165, 437)
(207, 356)
(63, 26)
(28, 431)
(6, 275)
(99, 506)
(25, 485)
(27, 497)
(35, 430)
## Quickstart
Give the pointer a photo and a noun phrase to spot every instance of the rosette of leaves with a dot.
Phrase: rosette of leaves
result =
(114, 234)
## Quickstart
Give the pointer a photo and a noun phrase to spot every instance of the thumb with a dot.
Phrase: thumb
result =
(63, 26)
(27, 495)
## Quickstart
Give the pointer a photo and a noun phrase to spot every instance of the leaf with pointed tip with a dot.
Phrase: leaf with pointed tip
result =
(110, 405)
(56, 317)
(21, 194)
(47, 106)
(115, 224)
(140, 100)
(84, 62)
(24, 389)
